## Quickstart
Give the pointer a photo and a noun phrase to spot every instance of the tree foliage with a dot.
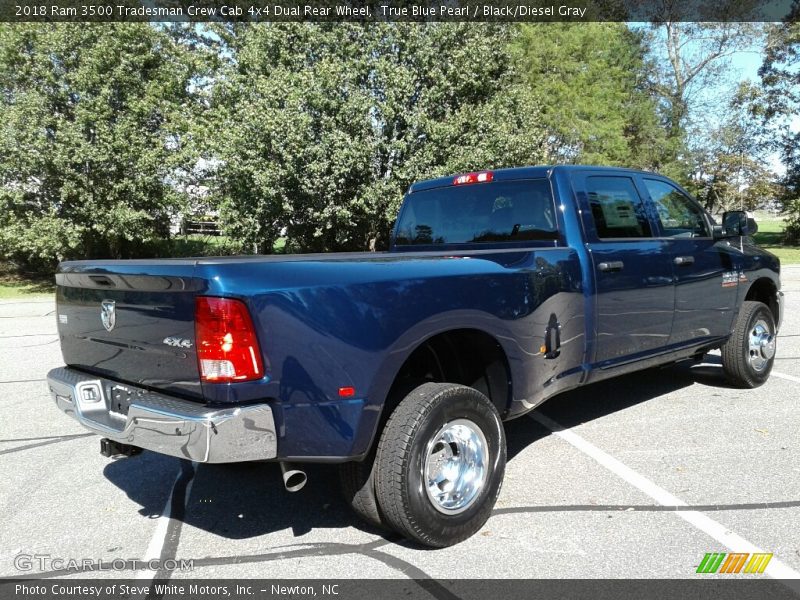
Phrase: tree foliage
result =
(313, 131)
(93, 129)
(591, 82)
(696, 55)
(730, 169)
(322, 127)
(781, 80)
(688, 60)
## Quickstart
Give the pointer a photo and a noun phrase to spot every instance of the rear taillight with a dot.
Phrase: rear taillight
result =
(227, 348)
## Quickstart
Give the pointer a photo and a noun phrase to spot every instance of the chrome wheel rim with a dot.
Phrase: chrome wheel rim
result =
(761, 345)
(456, 466)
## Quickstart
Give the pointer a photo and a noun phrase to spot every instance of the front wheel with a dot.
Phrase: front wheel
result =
(749, 353)
(440, 464)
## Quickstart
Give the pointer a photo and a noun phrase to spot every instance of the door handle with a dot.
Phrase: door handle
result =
(615, 265)
(682, 261)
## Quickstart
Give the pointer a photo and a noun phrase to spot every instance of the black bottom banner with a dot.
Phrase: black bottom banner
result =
(397, 589)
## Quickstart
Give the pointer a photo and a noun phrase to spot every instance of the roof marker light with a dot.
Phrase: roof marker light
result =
(478, 177)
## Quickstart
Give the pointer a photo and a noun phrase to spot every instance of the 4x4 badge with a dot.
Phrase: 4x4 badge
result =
(108, 314)
(177, 342)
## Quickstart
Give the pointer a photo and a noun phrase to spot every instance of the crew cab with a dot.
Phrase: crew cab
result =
(501, 289)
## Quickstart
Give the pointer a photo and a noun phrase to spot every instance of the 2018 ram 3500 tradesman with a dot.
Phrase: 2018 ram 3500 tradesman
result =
(501, 289)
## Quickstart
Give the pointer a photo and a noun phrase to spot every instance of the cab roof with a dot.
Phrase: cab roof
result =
(533, 172)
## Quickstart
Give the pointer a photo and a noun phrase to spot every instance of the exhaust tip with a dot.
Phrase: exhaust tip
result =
(294, 479)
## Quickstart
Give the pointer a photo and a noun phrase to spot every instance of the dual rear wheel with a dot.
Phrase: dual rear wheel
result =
(438, 467)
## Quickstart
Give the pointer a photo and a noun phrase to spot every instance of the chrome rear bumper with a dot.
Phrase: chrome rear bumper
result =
(164, 424)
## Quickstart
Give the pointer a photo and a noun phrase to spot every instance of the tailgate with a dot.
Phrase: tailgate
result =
(131, 321)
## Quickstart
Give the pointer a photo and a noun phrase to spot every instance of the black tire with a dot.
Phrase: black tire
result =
(357, 478)
(741, 368)
(399, 480)
(357, 481)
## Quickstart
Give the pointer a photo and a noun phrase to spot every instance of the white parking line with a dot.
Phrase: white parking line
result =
(776, 568)
(785, 376)
(156, 545)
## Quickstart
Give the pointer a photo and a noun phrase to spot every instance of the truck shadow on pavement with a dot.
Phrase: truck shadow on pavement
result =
(604, 398)
(238, 501)
(248, 500)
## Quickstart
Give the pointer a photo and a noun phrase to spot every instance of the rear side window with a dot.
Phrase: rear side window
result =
(501, 211)
(679, 215)
(617, 208)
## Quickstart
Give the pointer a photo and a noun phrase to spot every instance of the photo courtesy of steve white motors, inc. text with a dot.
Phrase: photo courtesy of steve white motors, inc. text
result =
(194, 590)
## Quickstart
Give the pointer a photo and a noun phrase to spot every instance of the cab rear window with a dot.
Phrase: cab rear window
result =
(500, 211)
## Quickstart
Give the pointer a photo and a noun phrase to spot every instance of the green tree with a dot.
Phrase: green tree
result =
(731, 171)
(781, 80)
(591, 81)
(689, 59)
(92, 140)
(320, 128)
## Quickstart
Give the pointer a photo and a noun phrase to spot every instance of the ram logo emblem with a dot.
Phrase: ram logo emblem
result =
(108, 314)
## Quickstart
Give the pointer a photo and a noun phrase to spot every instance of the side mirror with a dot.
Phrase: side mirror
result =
(736, 223)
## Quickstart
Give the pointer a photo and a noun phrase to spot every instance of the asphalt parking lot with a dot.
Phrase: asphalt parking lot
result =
(637, 477)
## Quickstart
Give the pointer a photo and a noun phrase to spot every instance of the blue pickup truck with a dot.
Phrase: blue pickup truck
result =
(501, 289)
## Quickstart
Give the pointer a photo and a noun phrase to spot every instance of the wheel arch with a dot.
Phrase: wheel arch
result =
(467, 355)
(765, 290)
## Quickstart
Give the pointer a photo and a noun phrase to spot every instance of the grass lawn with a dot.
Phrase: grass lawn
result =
(14, 285)
(769, 236)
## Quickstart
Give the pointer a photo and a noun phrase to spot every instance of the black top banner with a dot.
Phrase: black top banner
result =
(397, 10)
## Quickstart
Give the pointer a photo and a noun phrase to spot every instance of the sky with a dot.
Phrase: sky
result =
(742, 66)
(745, 65)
